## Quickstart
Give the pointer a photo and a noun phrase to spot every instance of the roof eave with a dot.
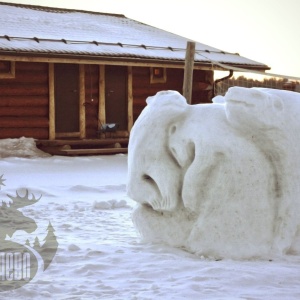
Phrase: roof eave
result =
(118, 60)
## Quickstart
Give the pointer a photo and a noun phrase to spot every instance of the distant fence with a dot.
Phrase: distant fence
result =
(274, 83)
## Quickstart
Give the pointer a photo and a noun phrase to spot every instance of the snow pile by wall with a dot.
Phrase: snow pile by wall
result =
(221, 180)
(22, 147)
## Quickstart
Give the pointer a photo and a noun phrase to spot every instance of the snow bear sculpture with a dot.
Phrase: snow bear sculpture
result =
(221, 180)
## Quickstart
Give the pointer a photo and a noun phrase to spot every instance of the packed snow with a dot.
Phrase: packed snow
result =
(101, 255)
(221, 179)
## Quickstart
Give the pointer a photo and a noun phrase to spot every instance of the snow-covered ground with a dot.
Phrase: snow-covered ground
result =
(100, 255)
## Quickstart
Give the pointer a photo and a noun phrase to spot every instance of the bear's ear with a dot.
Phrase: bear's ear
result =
(165, 98)
(255, 108)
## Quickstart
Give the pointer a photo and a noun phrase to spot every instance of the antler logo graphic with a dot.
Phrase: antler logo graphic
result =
(20, 263)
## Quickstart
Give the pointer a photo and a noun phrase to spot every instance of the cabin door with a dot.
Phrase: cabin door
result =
(116, 96)
(66, 86)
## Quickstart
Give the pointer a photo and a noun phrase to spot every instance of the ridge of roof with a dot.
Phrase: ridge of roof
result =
(58, 10)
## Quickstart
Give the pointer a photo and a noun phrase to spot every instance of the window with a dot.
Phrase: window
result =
(158, 75)
(7, 69)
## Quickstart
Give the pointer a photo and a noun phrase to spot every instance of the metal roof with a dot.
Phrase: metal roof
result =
(27, 29)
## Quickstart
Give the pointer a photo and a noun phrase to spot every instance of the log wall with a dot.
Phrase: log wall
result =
(24, 108)
(24, 100)
(142, 88)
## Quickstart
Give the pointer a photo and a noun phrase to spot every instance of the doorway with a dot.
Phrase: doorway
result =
(116, 96)
(66, 86)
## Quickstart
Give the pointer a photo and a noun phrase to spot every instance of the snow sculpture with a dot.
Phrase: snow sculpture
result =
(221, 180)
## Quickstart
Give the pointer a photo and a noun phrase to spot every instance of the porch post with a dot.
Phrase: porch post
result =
(51, 102)
(130, 99)
(101, 108)
(82, 128)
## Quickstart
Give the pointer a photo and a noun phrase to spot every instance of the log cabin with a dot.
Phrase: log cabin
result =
(76, 81)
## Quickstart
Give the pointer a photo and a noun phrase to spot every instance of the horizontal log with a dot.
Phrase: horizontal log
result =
(85, 142)
(140, 71)
(91, 93)
(19, 122)
(91, 133)
(91, 120)
(146, 91)
(94, 151)
(23, 100)
(81, 60)
(91, 105)
(67, 134)
(36, 133)
(20, 111)
(91, 123)
(93, 78)
(31, 67)
(28, 89)
(91, 110)
(31, 78)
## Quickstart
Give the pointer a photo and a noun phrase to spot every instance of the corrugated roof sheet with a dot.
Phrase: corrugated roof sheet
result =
(34, 29)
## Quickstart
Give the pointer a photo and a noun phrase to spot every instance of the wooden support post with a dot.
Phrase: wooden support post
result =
(130, 99)
(82, 128)
(188, 72)
(51, 103)
(101, 108)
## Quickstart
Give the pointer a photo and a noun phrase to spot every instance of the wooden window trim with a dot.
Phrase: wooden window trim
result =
(11, 74)
(160, 79)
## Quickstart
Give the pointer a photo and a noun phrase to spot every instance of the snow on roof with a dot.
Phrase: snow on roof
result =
(54, 31)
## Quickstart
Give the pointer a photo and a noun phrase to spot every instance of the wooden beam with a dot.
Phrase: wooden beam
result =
(188, 71)
(82, 143)
(130, 99)
(67, 134)
(101, 108)
(89, 151)
(24, 122)
(82, 128)
(103, 61)
(51, 102)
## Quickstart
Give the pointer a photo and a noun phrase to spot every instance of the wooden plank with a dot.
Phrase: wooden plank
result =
(88, 142)
(29, 101)
(36, 133)
(26, 69)
(25, 111)
(21, 122)
(129, 99)
(67, 134)
(113, 61)
(51, 103)
(92, 151)
(188, 71)
(30, 89)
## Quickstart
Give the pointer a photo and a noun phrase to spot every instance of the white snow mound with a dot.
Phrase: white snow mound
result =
(22, 147)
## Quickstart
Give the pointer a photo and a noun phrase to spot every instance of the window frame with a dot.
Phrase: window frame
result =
(11, 73)
(158, 79)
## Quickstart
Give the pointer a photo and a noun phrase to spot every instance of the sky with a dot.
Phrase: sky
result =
(262, 30)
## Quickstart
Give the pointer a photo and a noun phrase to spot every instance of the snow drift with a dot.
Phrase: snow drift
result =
(220, 179)
(100, 255)
(22, 147)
